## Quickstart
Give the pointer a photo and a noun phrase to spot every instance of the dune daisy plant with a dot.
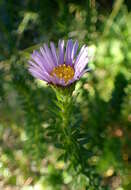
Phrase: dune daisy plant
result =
(61, 68)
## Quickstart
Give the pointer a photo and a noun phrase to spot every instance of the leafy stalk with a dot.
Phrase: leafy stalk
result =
(72, 138)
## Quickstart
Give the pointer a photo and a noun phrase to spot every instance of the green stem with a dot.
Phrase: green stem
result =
(71, 144)
(64, 99)
(66, 113)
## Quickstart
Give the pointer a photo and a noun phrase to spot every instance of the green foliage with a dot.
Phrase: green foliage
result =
(50, 139)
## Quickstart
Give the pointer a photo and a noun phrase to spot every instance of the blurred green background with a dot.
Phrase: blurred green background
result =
(27, 160)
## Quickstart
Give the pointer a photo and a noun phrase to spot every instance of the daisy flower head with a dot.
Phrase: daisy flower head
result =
(60, 68)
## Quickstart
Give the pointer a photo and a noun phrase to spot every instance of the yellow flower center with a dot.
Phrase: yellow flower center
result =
(63, 72)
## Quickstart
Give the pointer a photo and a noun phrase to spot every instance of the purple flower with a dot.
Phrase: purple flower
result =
(62, 68)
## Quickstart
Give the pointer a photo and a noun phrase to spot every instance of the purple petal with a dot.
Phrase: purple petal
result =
(49, 55)
(38, 75)
(83, 72)
(37, 69)
(79, 55)
(47, 62)
(61, 52)
(40, 60)
(81, 66)
(53, 50)
(82, 61)
(61, 82)
(58, 81)
(69, 46)
(36, 66)
(74, 50)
